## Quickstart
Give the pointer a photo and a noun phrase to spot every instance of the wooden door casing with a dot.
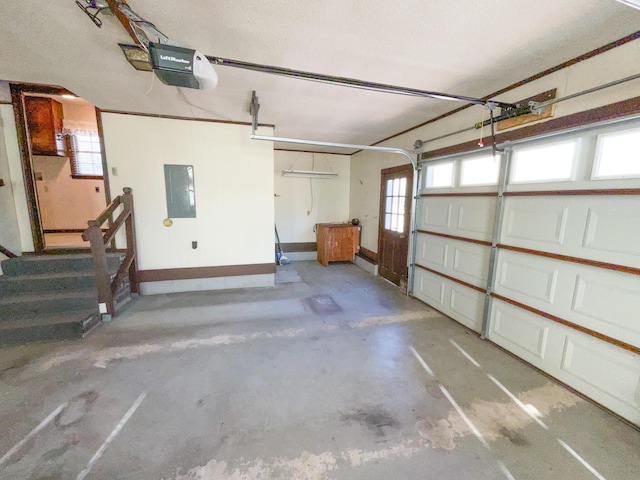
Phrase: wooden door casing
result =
(393, 239)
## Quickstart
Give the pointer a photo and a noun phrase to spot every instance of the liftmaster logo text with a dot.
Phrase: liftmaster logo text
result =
(173, 59)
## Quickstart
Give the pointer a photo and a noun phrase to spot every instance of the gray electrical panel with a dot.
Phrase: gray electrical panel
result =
(181, 193)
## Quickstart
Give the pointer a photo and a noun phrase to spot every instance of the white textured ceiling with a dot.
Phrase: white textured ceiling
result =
(464, 47)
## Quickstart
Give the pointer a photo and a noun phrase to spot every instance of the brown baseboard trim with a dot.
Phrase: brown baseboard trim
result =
(368, 255)
(567, 323)
(299, 247)
(453, 279)
(595, 115)
(567, 258)
(205, 272)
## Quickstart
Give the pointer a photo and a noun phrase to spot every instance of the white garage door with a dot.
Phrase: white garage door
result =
(538, 249)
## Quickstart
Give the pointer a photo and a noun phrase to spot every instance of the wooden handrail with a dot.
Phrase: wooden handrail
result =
(106, 285)
(115, 226)
(7, 253)
(104, 216)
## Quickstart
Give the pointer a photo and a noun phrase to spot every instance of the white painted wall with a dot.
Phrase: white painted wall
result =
(606, 67)
(65, 202)
(364, 201)
(233, 187)
(9, 233)
(300, 203)
(5, 91)
(15, 184)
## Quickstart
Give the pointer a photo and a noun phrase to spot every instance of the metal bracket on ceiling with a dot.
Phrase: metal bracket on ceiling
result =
(494, 145)
(254, 108)
(138, 28)
(97, 6)
(536, 107)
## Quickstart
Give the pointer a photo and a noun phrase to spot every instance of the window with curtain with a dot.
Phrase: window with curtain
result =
(84, 153)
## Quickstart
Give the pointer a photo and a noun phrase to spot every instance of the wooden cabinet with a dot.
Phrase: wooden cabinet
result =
(337, 242)
(44, 121)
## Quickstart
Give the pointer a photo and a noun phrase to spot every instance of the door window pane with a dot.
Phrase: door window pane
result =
(394, 204)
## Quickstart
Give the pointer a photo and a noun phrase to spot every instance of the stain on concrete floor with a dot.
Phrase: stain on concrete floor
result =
(323, 305)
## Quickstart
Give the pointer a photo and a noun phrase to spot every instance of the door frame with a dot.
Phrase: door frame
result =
(408, 168)
(18, 92)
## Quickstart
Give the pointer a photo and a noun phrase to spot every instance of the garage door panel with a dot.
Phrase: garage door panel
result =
(471, 263)
(607, 374)
(467, 217)
(430, 288)
(596, 227)
(613, 228)
(593, 365)
(461, 303)
(608, 302)
(566, 288)
(433, 252)
(476, 218)
(436, 215)
(605, 301)
(467, 305)
(527, 221)
(520, 332)
(465, 261)
(526, 278)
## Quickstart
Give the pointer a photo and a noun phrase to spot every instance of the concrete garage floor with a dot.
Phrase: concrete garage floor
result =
(333, 374)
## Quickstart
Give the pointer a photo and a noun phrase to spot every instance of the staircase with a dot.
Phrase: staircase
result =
(49, 297)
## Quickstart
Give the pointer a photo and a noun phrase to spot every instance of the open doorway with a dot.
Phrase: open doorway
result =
(63, 165)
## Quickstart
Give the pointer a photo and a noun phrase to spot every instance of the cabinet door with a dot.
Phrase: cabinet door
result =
(44, 122)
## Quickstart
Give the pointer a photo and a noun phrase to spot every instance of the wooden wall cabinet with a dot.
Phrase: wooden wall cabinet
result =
(44, 121)
(337, 242)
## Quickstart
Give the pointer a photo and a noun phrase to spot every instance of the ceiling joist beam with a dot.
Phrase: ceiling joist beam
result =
(114, 6)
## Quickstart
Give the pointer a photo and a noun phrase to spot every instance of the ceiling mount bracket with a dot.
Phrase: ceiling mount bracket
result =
(97, 6)
(494, 145)
(536, 107)
(254, 107)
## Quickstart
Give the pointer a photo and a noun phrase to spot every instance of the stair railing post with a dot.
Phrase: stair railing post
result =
(99, 256)
(127, 200)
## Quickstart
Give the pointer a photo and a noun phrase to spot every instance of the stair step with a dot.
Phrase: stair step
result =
(11, 285)
(43, 264)
(61, 326)
(35, 304)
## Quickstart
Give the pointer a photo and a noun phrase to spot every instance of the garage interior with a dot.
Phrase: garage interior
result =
(456, 275)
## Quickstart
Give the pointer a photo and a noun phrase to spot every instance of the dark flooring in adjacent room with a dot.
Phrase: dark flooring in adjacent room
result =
(332, 374)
